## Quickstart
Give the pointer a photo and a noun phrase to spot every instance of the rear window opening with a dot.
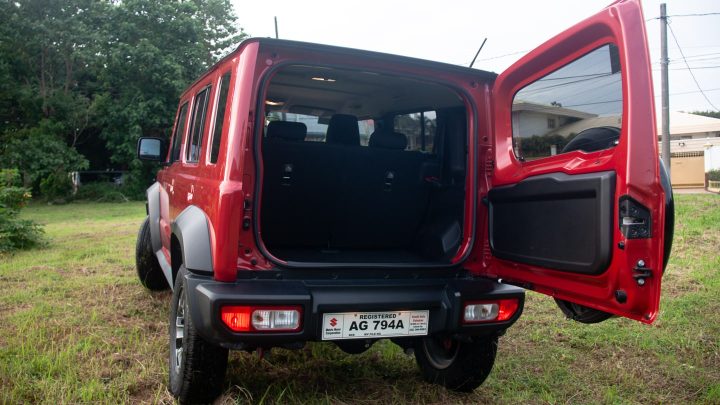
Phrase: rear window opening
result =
(361, 168)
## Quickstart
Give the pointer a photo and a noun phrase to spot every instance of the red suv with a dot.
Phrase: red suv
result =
(317, 193)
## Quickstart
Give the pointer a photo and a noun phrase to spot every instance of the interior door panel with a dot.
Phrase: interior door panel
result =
(558, 221)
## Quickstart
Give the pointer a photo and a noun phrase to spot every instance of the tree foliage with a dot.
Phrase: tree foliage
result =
(81, 80)
(15, 233)
(711, 114)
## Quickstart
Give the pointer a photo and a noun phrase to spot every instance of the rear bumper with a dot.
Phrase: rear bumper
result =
(442, 297)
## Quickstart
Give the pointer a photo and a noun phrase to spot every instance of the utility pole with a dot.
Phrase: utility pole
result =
(665, 89)
(276, 31)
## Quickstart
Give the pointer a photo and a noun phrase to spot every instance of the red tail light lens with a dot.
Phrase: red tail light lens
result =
(236, 318)
(508, 307)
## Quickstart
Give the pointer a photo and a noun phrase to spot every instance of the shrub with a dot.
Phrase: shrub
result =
(15, 233)
(714, 175)
(57, 187)
(101, 192)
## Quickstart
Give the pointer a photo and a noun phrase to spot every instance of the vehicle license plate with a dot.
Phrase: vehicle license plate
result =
(358, 325)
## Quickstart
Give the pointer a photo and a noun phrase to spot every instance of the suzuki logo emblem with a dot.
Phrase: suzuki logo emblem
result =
(333, 322)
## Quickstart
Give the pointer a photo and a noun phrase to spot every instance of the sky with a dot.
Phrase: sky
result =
(451, 31)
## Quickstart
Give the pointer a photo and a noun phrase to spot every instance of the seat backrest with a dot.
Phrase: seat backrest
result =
(385, 139)
(287, 130)
(343, 130)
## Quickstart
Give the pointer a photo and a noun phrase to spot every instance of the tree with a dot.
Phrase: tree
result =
(712, 114)
(15, 233)
(94, 75)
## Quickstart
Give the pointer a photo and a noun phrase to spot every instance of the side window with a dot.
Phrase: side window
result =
(419, 128)
(197, 124)
(179, 132)
(577, 107)
(220, 117)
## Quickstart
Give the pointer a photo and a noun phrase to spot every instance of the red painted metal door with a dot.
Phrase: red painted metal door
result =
(576, 210)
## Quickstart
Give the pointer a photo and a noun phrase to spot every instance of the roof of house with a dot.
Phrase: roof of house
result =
(550, 109)
(686, 123)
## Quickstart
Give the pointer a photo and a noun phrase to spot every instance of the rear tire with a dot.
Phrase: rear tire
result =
(458, 366)
(148, 269)
(197, 368)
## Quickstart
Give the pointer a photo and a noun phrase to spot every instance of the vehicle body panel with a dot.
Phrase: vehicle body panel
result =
(634, 161)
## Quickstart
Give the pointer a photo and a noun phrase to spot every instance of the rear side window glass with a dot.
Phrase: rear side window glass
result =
(577, 107)
(197, 125)
(220, 117)
(419, 129)
(179, 132)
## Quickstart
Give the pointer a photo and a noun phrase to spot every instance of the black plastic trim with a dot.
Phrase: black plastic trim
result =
(153, 210)
(443, 297)
(192, 230)
(558, 221)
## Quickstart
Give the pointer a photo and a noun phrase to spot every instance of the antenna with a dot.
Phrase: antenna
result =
(478, 52)
(276, 31)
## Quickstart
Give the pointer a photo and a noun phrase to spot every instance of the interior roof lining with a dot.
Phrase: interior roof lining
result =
(356, 92)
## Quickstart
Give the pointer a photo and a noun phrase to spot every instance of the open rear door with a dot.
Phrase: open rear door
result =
(576, 209)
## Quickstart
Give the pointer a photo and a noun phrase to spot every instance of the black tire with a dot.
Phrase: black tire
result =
(197, 369)
(581, 313)
(148, 269)
(458, 366)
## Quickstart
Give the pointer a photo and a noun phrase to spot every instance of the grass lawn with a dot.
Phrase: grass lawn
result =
(77, 327)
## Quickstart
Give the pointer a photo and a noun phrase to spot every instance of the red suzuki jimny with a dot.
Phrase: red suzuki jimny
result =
(317, 193)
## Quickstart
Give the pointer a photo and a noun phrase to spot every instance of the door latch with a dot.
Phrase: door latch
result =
(635, 220)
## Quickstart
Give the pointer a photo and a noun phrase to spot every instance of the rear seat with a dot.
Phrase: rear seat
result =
(295, 188)
(338, 194)
(385, 196)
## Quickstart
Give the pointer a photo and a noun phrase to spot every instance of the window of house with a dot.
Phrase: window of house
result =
(419, 128)
(197, 125)
(179, 132)
(220, 117)
(582, 100)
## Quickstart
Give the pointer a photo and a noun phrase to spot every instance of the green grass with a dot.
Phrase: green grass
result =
(77, 327)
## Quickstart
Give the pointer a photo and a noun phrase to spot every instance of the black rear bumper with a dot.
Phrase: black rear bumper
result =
(443, 297)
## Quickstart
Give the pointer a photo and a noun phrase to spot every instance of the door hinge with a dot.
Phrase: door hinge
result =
(640, 273)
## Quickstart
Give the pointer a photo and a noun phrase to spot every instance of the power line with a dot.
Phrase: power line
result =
(701, 67)
(693, 15)
(688, 92)
(689, 69)
(685, 15)
(693, 67)
(502, 56)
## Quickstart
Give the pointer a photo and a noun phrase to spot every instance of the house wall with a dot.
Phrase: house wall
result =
(528, 123)
(687, 171)
(712, 158)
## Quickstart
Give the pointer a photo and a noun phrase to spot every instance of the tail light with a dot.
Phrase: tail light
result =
(490, 311)
(261, 319)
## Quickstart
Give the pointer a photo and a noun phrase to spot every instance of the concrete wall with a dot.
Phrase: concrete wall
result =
(687, 171)
(712, 158)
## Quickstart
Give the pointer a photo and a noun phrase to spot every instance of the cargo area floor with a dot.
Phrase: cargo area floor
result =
(310, 255)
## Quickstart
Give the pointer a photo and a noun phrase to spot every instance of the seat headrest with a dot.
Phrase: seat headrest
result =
(388, 140)
(343, 130)
(288, 130)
